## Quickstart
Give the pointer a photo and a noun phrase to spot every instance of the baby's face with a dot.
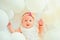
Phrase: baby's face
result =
(27, 21)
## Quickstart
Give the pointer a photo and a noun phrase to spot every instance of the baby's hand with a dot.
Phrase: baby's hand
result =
(19, 30)
(40, 26)
(40, 22)
(10, 27)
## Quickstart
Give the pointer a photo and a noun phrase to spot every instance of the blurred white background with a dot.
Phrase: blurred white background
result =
(48, 10)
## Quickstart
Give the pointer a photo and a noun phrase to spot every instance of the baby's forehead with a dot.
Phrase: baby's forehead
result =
(26, 14)
(27, 17)
(29, 14)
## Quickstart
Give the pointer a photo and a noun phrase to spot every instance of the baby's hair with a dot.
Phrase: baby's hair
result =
(29, 13)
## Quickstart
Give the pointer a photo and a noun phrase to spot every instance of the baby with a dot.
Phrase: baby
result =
(28, 28)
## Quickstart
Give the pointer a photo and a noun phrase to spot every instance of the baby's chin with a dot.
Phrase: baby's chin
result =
(28, 26)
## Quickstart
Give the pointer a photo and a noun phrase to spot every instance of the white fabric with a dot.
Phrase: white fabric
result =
(18, 36)
(52, 35)
(16, 5)
(5, 35)
(31, 33)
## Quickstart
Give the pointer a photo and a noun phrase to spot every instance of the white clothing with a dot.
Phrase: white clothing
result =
(30, 33)
(18, 36)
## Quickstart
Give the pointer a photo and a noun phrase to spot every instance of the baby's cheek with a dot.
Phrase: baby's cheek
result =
(23, 23)
(31, 24)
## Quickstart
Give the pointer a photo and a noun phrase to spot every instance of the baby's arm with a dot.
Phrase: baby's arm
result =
(10, 27)
(40, 26)
(19, 30)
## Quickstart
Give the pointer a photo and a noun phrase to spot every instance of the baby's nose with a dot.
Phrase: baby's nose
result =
(28, 21)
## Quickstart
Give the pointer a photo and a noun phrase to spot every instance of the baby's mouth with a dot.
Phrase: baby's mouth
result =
(27, 24)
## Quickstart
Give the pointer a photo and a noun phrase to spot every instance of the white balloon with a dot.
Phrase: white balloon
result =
(4, 35)
(8, 10)
(36, 5)
(3, 20)
(10, 14)
(16, 5)
(18, 36)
